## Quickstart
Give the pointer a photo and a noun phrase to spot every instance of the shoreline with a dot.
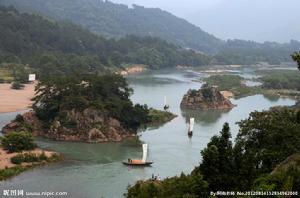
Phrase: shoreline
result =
(12, 100)
(9, 169)
(135, 69)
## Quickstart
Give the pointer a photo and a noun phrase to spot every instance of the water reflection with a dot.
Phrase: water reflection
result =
(203, 117)
(272, 98)
(98, 168)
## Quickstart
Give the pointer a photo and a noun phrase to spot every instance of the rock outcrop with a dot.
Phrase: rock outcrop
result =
(205, 98)
(89, 125)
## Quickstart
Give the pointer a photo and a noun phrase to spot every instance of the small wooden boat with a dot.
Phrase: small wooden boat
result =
(191, 127)
(166, 107)
(139, 162)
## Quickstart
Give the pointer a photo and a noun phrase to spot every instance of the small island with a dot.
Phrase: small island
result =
(85, 108)
(208, 97)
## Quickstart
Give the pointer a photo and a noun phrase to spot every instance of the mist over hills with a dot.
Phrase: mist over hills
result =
(117, 20)
(113, 20)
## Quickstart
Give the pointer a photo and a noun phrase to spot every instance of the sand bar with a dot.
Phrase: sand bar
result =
(5, 157)
(12, 100)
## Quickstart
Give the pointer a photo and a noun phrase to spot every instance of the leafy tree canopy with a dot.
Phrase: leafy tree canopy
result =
(107, 93)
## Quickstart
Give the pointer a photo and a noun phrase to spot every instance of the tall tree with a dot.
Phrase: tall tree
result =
(217, 166)
(296, 57)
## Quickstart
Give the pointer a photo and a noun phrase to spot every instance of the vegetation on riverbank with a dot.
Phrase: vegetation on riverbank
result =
(252, 163)
(280, 79)
(275, 83)
(232, 83)
(18, 153)
(7, 173)
(157, 117)
(265, 157)
(86, 108)
(18, 141)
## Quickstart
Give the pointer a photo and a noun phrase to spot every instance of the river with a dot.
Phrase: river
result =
(95, 170)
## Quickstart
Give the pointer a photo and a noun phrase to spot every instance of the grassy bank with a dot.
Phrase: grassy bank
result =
(16, 163)
(274, 83)
(158, 117)
(280, 79)
(234, 84)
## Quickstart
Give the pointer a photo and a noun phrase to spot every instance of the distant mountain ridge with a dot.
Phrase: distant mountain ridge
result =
(116, 20)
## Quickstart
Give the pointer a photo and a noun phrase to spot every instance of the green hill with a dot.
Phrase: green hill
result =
(116, 20)
(63, 47)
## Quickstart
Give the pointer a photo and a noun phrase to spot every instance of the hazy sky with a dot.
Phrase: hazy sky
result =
(260, 20)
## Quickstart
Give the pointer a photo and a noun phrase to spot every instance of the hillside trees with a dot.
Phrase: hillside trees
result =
(56, 48)
(107, 93)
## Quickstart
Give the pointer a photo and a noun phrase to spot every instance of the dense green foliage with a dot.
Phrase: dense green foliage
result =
(281, 80)
(115, 20)
(217, 166)
(265, 140)
(18, 141)
(189, 186)
(285, 177)
(249, 52)
(108, 94)
(55, 48)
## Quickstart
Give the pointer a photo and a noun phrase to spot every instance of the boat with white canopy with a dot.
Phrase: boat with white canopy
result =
(191, 126)
(139, 162)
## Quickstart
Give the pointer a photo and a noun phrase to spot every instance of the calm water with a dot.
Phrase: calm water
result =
(95, 170)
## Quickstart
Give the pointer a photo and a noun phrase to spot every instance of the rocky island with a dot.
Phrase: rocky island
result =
(87, 108)
(208, 97)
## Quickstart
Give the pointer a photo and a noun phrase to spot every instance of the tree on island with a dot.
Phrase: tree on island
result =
(107, 93)
(18, 141)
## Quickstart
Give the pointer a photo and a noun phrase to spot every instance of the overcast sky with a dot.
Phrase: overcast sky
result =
(259, 20)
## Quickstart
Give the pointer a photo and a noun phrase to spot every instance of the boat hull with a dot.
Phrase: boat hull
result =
(138, 164)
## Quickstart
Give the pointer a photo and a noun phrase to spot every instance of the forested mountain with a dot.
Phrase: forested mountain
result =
(115, 20)
(249, 52)
(61, 47)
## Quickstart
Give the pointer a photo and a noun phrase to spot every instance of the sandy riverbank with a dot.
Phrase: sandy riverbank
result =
(133, 70)
(12, 100)
(5, 157)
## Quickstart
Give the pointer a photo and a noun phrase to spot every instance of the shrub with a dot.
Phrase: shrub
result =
(27, 157)
(19, 118)
(18, 159)
(31, 157)
(17, 85)
(43, 156)
(18, 141)
(9, 172)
